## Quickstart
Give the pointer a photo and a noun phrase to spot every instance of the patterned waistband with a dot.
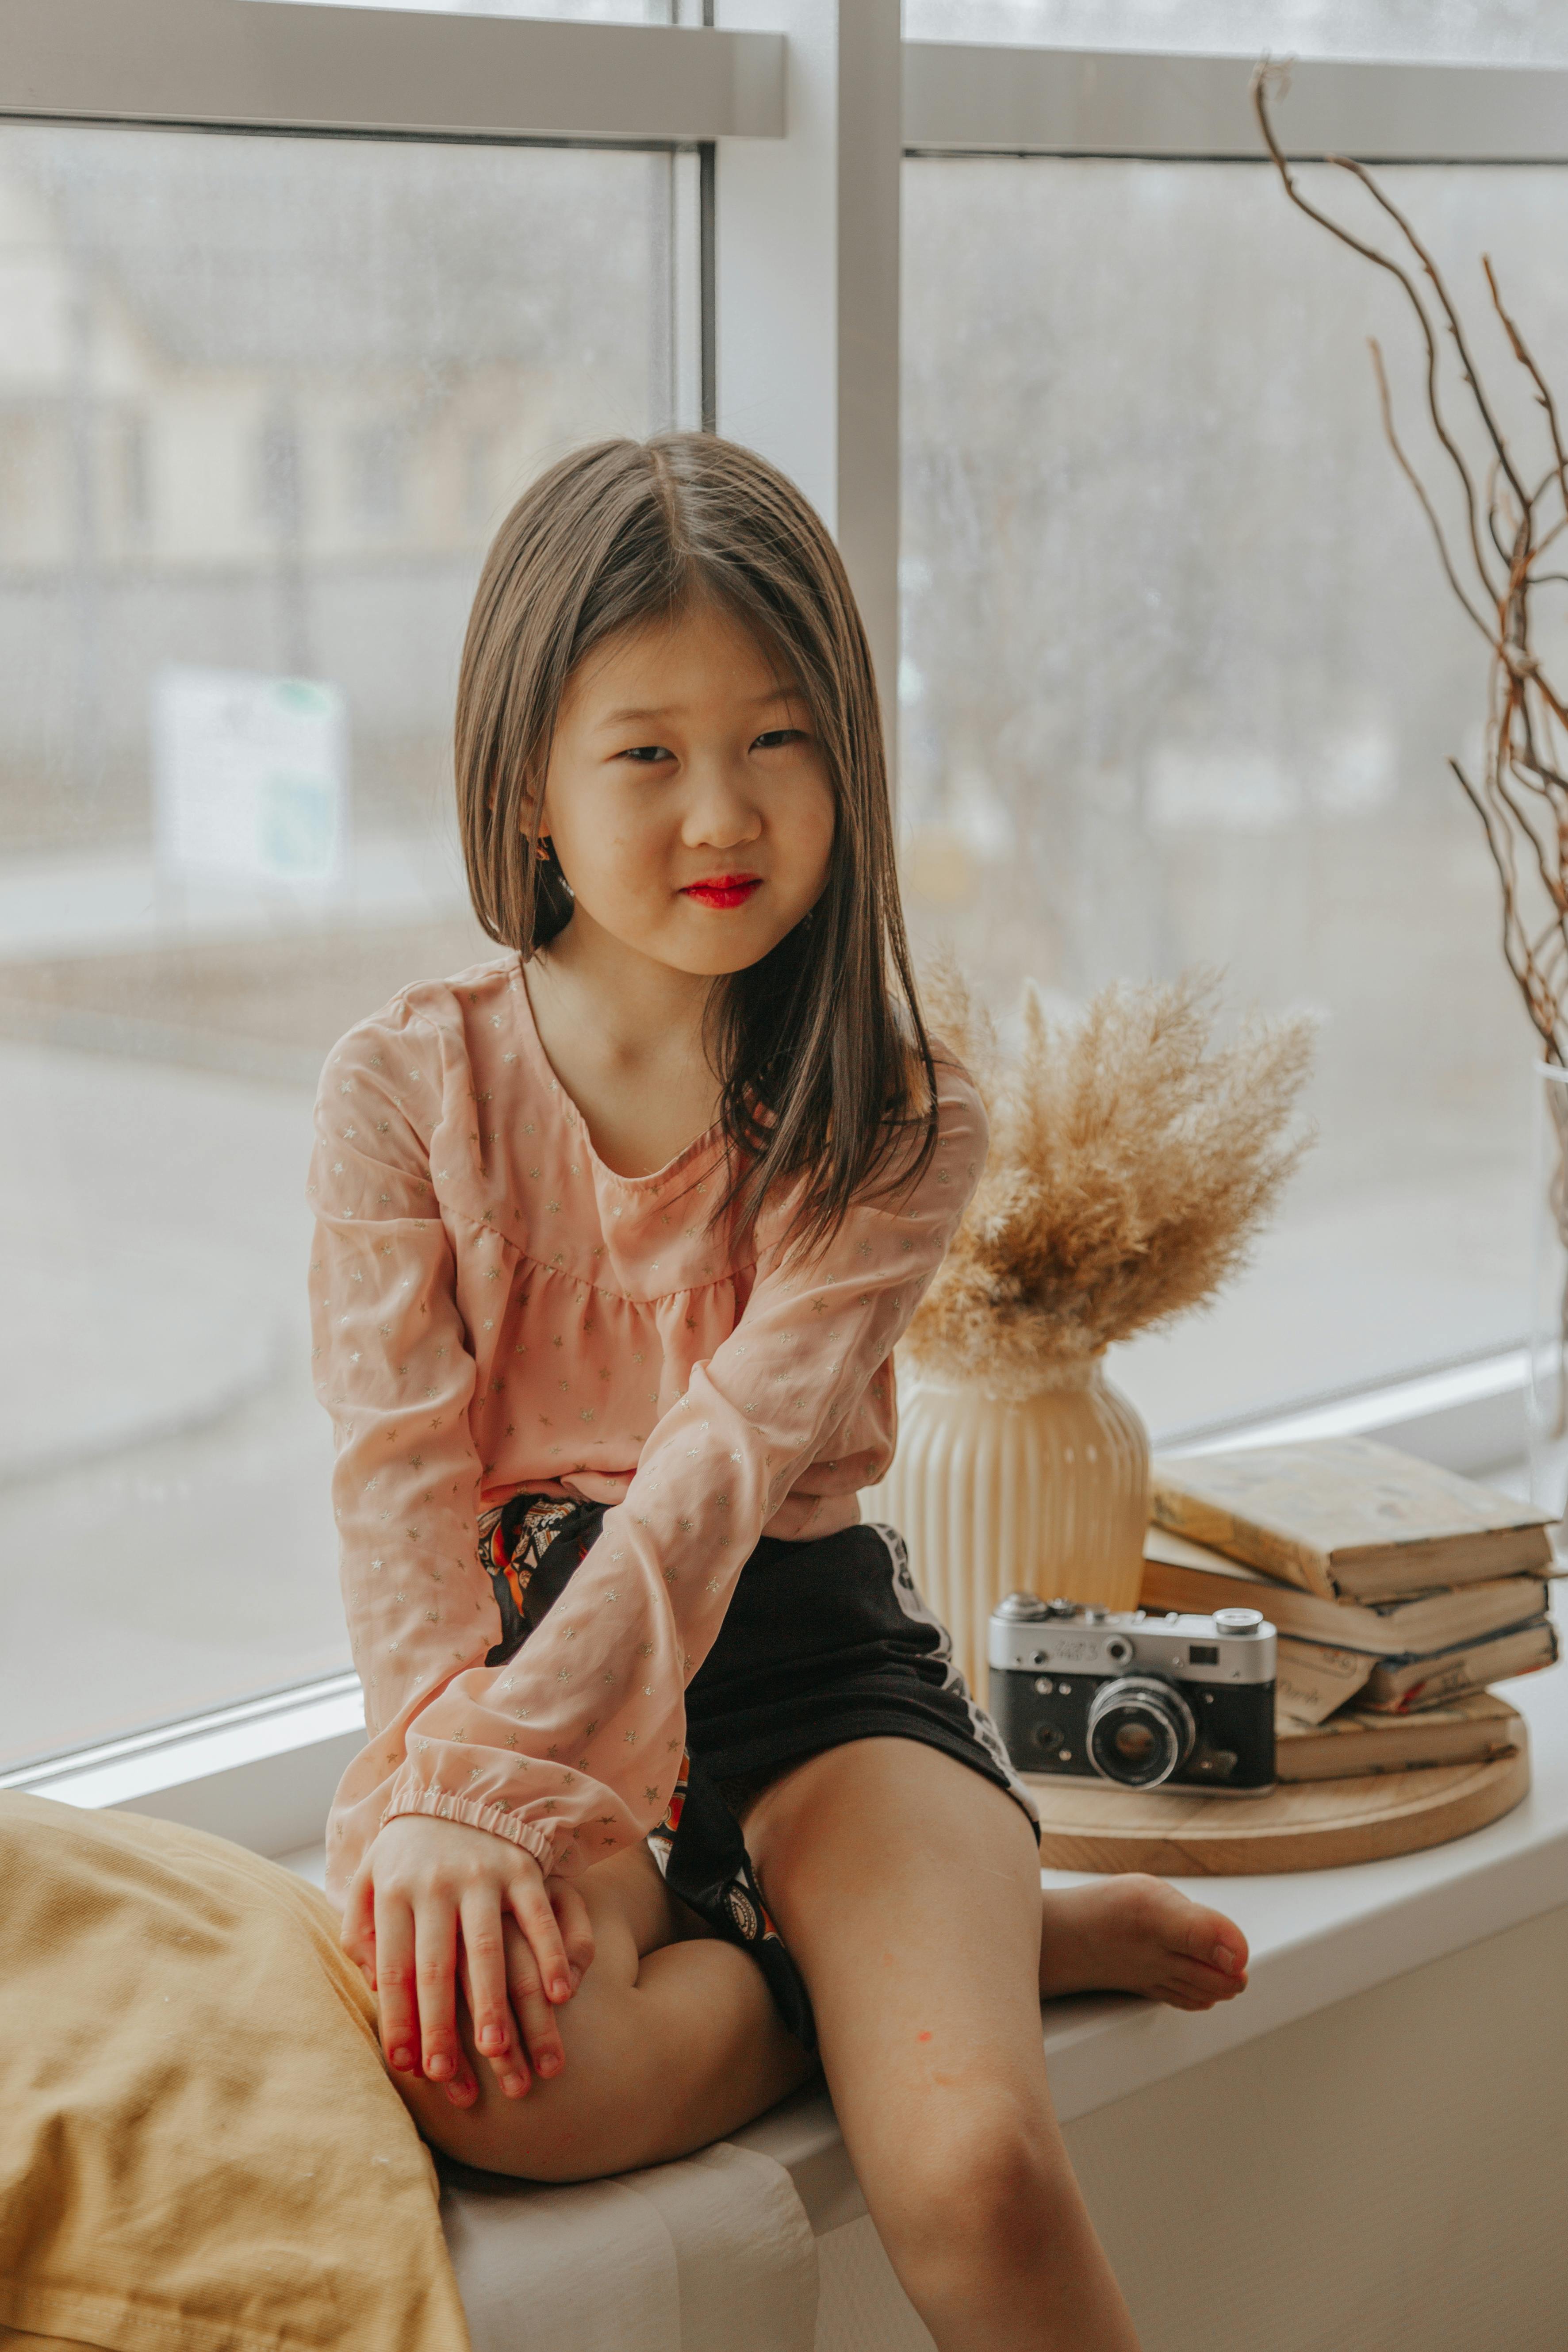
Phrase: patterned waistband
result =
(513, 1540)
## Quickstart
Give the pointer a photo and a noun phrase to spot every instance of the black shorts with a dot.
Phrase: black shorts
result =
(823, 1642)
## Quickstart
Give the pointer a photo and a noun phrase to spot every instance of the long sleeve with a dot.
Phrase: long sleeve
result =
(572, 1748)
(394, 1367)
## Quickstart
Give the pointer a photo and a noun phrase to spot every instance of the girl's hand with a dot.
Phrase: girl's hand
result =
(429, 1888)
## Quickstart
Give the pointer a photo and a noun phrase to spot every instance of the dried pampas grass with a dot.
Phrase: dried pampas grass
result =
(1133, 1162)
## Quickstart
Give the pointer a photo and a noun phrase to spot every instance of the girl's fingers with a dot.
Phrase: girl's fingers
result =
(577, 1930)
(485, 1984)
(435, 1969)
(512, 2068)
(530, 1909)
(394, 1934)
(534, 2013)
(436, 1892)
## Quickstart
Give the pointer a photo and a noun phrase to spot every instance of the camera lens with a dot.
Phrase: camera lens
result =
(1141, 1731)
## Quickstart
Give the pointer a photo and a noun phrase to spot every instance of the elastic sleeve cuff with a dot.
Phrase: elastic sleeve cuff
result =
(532, 1836)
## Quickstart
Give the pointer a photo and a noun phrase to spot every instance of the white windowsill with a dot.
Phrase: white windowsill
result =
(1469, 1417)
(261, 1773)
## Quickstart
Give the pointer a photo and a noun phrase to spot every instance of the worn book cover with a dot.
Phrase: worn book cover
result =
(1182, 1575)
(1313, 1680)
(1400, 1686)
(1346, 1518)
(1466, 1731)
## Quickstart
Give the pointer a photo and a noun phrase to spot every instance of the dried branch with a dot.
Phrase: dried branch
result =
(1451, 316)
(1395, 270)
(1521, 792)
(1542, 389)
(1413, 479)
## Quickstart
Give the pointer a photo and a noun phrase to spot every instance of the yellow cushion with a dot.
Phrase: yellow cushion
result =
(200, 2150)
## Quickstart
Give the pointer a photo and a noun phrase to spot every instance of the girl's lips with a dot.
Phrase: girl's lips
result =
(724, 890)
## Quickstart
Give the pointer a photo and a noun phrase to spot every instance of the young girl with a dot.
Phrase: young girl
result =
(671, 1787)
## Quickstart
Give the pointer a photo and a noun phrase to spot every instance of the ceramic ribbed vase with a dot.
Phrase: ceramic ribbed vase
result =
(1047, 1494)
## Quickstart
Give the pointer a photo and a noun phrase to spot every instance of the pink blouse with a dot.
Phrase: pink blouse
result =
(493, 1311)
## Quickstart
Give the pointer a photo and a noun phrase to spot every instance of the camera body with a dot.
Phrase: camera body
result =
(1135, 1701)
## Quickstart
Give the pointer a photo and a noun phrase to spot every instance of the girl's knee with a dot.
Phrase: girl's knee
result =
(976, 2196)
(564, 2126)
(549, 2135)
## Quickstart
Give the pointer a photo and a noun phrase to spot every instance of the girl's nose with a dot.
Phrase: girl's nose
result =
(719, 816)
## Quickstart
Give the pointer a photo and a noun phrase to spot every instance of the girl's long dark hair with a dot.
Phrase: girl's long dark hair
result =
(824, 1065)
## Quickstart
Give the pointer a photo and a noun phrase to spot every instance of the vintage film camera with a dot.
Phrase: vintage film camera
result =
(1137, 1700)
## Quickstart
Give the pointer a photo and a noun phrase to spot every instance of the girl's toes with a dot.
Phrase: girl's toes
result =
(1195, 1989)
(1198, 1987)
(1212, 1940)
(1180, 1996)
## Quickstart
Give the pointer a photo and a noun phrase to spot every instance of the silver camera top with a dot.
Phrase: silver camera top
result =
(1065, 1637)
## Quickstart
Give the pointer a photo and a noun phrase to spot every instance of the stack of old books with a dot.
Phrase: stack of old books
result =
(1400, 1592)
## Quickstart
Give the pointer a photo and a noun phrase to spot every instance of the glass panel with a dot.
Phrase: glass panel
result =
(1518, 32)
(262, 403)
(1179, 681)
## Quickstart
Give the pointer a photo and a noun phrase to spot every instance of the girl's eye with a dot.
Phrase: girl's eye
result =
(779, 735)
(647, 753)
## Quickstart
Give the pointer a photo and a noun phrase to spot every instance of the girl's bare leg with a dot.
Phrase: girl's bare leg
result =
(671, 2040)
(907, 1886)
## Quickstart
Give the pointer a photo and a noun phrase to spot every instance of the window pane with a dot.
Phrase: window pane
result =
(1180, 682)
(1518, 32)
(265, 401)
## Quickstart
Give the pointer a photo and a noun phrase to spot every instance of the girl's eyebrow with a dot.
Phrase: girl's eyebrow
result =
(667, 711)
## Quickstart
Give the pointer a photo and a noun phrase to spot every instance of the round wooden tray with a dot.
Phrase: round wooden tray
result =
(1313, 1825)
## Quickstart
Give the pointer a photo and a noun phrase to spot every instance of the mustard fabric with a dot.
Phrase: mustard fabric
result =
(200, 2150)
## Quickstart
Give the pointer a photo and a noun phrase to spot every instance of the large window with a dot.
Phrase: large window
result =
(262, 404)
(292, 302)
(1180, 682)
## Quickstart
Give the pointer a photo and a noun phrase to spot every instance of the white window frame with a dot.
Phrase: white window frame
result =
(804, 110)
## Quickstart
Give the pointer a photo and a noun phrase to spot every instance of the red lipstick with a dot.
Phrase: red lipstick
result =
(723, 889)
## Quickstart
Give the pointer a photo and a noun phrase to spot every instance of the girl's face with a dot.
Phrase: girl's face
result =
(687, 801)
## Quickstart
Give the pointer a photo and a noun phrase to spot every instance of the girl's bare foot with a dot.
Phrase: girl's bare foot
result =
(1133, 1934)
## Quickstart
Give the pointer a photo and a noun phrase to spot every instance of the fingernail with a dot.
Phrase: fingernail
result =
(561, 1989)
(492, 2040)
(514, 2085)
(576, 1979)
(403, 2058)
(460, 2093)
(548, 2063)
(1224, 1957)
(439, 2068)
